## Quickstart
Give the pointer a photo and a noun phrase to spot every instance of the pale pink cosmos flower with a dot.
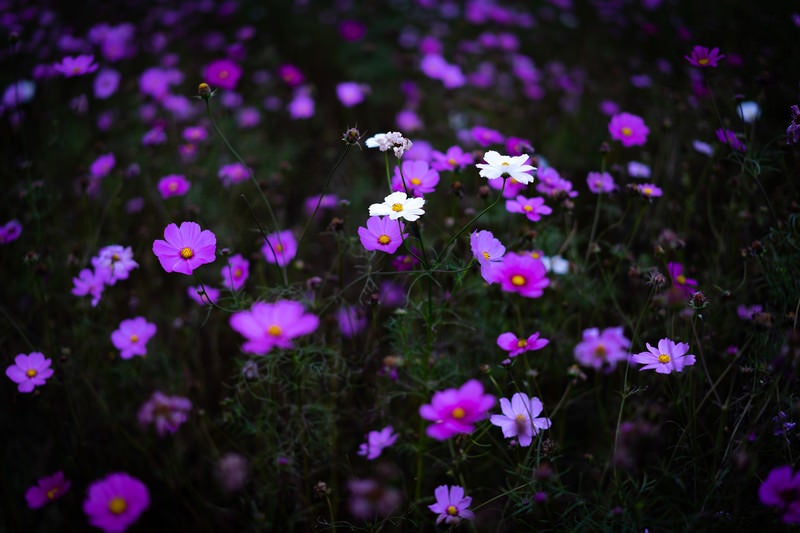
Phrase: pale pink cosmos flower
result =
(132, 336)
(185, 248)
(455, 411)
(114, 262)
(516, 345)
(451, 505)
(46, 490)
(267, 326)
(668, 357)
(602, 350)
(29, 371)
(376, 442)
(519, 418)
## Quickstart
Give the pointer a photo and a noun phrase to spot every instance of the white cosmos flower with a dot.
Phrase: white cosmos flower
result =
(749, 111)
(497, 166)
(399, 205)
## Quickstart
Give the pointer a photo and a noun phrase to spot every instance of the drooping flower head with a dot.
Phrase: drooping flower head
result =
(519, 418)
(455, 411)
(266, 326)
(781, 489)
(236, 272)
(451, 505)
(132, 335)
(280, 248)
(166, 413)
(29, 371)
(417, 178)
(381, 233)
(399, 205)
(516, 345)
(487, 250)
(46, 490)
(702, 57)
(498, 166)
(602, 350)
(115, 502)
(376, 442)
(628, 129)
(680, 281)
(185, 248)
(668, 357)
(521, 274)
(532, 208)
(391, 140)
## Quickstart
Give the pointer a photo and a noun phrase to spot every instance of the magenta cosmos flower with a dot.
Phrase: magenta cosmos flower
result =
(648, 190)
(679, 281)
(455, 411)
(381, 233)
(76, 65)
(669, 357)
(10, 231)
(701, 56)
(519, 418)
(233, 174)
(600, 182)
(203, 295)
(29, 371)
(266, 326)
(115, 502)
(166, 413)
(515, 345)
(729, 137)
(46, 490)
(781, 489)
(132, 336)
(417, 178)
(185, 248)
(101, 166)
(451, 504)
(222, 73)
(602, 350)
(236, 272)
(89, 282)
(455, 158)
(521, 274)
(533, 208)
(628, 129)
(173, 185)
(376, 442)
(280, 248)
(487, 250)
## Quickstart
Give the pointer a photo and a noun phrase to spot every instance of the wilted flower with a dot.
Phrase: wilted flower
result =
(393, 140)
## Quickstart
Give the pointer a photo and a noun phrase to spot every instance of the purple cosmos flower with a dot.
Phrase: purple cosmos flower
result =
(729, 137)
(679, 281)
(29, 371)
(266, 326)
(46, 490)
(533, 208)
(648, 190)
(451, 504)
(487, 250)
(486, 136)
(747, 312)
(519, 418)
(173, 185)
(185, 248)
(203, 295)
(235, 273)
(455, 411)
(520, 273)
(351, 321)
(115, 502)
(628, 129)
(376, 442)
(455, 158)
(291, 75)
(89, 282)
(602, 350)
(552, 184)
(324, 201)
(102, 166)
(416, 178)
(302, 105)
(667, 358)
(701, 56)
(195, 134)
(232, 174)
(515, 345)
(280, 248)
(600, 182)
(154, 136)
(10, 231)
(132, 335)
(351, 93)
(781, 489)
(167, 413)
(222, 73)
(106, 83)
(76, 65)
(114, 262)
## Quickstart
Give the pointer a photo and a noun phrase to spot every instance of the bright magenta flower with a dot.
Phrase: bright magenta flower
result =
(76, 65)
(455, 411)
(173, 185)
(382, 234)
(669, 357)
(47, 489)
(520, 273)
(266, 326)
(185, 248)
(515, 346)
(29, 371)
(451, 504)
(222, 73)
(419, 178)
(132, 335)
(703, 57)
(628, 129)
(115, 502)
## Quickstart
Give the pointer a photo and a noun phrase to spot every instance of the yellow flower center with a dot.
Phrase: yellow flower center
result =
(52, 493)
(187, 253)
(504, 164)
(114, 258)
(600, 351)
(647, 191)
(397, 207)
(274, 330)
(598, 183)
(172, 186)
(703, 61)
(663, 358)
(680, 279)
(117, 505)
(223, 74)
(134, 338)
(535, 255)
(31, 373)
(416, 181)
(384, 239)
(527, 208)
(520, 418)
(517, 280)
(279, 248)
(485, 255)
(626, 131)
(451, 162)
(522, 343)
(458, 413)
(451, 510)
